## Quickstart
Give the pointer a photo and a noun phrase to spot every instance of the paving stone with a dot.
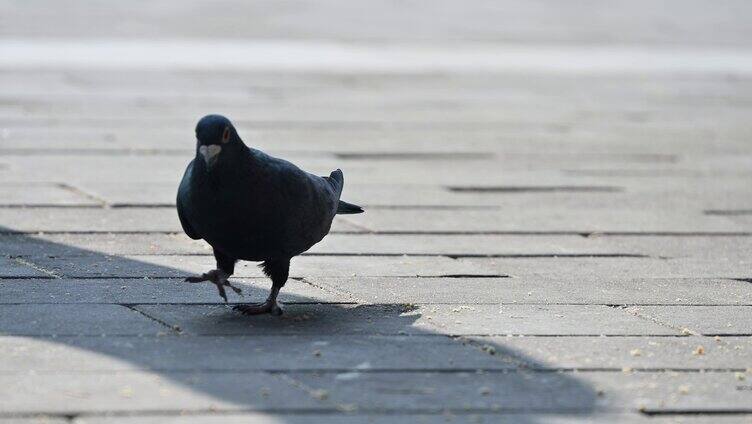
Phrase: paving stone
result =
(461, 244)
(622, 268)
(631, 194)
(71, 244)
(722, 249)
(563, 288)
(104, 220)
(536, 320)
(712, 320)
(41, 194)
(346, 354)
(62, 319)
(701, 247)
(535, 391)
(139, 290)
(35, 420)
(413, 320)
(306, 266)
(552, 219)
(146, 391)
(18, 267)
(140, 244)
(314, 319)
(654, 353)
(472, 417)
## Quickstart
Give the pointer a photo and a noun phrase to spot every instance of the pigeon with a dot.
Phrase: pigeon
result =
(251, 206)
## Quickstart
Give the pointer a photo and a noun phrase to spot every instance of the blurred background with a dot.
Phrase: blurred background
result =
(486, 92)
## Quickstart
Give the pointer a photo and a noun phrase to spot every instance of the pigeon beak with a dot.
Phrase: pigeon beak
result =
(210, 153)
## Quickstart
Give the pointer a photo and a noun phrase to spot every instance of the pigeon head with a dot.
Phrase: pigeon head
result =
(215, 133)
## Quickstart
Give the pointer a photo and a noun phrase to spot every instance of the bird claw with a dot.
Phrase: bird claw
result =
(268, 307)
(219, 279)
(196, 279)
(235, 289)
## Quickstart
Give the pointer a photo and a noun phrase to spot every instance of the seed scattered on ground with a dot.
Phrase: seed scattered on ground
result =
(126, 392)
(320, 394)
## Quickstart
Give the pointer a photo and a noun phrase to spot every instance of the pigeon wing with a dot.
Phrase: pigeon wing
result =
(183, 191)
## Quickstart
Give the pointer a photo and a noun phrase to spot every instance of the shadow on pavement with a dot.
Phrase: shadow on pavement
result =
(157, 347)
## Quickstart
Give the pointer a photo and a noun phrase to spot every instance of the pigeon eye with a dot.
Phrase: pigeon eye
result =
(226, 135)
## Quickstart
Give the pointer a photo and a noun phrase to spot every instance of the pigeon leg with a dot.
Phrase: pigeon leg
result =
(219, 278)
(278, 270)
(225, 268)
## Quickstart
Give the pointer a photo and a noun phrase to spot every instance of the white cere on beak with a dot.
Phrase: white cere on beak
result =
(210, 153)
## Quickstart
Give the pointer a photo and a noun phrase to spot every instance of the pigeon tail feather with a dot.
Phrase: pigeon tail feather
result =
(344, 208)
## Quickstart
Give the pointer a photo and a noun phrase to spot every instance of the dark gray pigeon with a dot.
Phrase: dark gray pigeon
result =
(251, 206)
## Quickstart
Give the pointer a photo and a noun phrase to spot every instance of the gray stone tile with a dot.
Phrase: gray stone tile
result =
(21, 194)
(304, 266)
(141, 244)
(313, 319)
(474, 418)
(564, 288)
(541, 219)
(18, 267)
(626, 352)
(62, 319)
(71, 244)
(621, 268)
(536, 320)
(345, 354)
(34, 420)
(146, 391)
(103, 220)
(718, 248)
(535, 391)
(721, 320)
(408, 319)
(139, 290)
(456, 391)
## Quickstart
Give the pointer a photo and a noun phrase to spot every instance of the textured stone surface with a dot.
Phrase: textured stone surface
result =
(472, 417)
(177, 352)
(561, 233)
(563, 288)
(61, 319)
(721, 320)
(454, 319)
(141, 290)
(651, 353)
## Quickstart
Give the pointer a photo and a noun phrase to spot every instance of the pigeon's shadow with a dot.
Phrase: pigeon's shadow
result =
(112, 336)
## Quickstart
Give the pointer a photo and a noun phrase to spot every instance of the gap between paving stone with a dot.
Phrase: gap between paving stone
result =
(174, 328)
(683, 330)
(86, 195)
